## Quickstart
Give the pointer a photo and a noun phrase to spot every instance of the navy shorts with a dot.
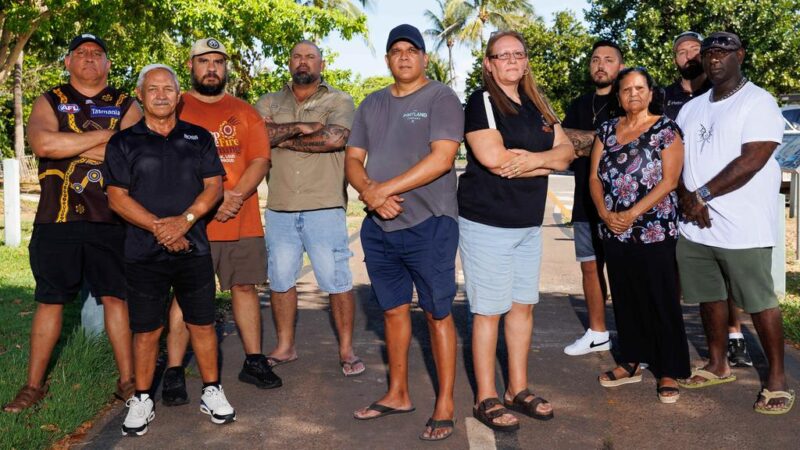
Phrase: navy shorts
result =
(423, 256)
(191, 280)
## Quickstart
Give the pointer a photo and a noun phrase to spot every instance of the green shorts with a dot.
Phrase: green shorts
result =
(708, 273)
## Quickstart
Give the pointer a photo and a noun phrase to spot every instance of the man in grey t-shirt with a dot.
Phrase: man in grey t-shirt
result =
(411, 130)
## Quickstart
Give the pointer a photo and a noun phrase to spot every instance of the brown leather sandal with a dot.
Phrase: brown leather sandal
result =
(486, 417)
(528, 408)
(26, 397)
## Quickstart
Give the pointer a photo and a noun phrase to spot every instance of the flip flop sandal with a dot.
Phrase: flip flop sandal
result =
(351, 364)
(613, 381)
(528, 408)
(26, 397)
(384, 411)
(487, 417)
(775, 395)
(435, 425)
(668, 399)
(274, 362)
(710, 378)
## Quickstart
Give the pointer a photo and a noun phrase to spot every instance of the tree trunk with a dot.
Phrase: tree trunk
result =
(19, 138)
(450, 64)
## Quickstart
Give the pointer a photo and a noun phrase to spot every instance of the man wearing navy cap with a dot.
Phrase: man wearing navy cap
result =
(411, 130)
(728, 203)
(76, 238)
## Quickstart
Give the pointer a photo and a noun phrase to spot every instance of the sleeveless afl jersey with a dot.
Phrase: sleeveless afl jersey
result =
(72, 188)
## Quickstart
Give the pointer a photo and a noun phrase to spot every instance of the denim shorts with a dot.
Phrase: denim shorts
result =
(587, 243)
(501, 265)
(423, 256)
(321, 233)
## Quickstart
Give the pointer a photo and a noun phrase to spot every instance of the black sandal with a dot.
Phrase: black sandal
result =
(613, 381)
(528, 408)
(487, 417)
(435, 425)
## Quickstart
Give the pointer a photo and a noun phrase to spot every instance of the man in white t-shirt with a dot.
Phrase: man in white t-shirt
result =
(730, 181)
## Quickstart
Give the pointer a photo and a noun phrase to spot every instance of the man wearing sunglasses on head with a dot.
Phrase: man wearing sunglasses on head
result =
(728, 202)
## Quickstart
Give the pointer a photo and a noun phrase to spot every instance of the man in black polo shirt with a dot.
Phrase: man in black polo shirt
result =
(693, 80)
(164, 176)
(584, 115)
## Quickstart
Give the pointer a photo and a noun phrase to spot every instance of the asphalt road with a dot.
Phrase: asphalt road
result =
(313, 410)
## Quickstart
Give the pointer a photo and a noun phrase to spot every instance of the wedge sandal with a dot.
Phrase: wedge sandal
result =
(613, 381)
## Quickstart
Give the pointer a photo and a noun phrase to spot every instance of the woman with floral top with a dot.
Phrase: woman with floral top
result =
(635, 167)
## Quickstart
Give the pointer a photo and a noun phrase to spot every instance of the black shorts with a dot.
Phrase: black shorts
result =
(64, 256)
(149, 283)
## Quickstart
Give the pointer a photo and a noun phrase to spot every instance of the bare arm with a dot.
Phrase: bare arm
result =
(531, 164)
(232, 200)
(487, 146)
(47, 142)
(129, 209)
(331, 138)
(280, 132)
(354, 160)
(581, 139)
(595, 185)
(170, 229)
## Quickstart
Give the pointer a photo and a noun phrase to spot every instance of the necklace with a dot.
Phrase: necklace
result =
(596, 112)
(733, 91)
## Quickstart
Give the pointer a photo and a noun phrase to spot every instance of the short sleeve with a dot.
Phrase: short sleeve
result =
(447, 117)
(210, 165)
(358, 131)
(475, 113)
(263, 104)
(342, 111)
(602, 132)
(257, 139)
(670, 132)
(117, 170)
(763, 121)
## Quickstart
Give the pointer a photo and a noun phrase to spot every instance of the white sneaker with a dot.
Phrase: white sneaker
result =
(591, 341)
(214, 403)
(141, 411)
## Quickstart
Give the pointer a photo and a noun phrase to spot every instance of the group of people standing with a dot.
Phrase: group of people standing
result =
(182, 174)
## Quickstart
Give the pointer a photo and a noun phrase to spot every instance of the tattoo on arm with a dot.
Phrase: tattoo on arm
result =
(279, 132)
(331, 138)
(581, 139)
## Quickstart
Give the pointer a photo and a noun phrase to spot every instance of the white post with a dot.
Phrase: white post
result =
(779, 251)
(13, 234)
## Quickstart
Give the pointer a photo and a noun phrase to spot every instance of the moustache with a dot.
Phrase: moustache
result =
(161, 103)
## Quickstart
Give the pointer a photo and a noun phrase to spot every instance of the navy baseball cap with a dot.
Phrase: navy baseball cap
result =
(86, 37)
(405, 32)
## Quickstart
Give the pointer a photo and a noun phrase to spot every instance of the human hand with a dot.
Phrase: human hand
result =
(182, 245)
(391, 208)
(309, 127)
(525, 161)
(373, 196)
(693, 211)
(232, 202)
(169, 230)
(619, 222)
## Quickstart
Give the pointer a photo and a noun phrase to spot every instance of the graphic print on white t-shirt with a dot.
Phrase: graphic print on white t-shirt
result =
(714, 134)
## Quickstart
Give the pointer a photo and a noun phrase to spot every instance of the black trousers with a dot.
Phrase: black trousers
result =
(644, 288)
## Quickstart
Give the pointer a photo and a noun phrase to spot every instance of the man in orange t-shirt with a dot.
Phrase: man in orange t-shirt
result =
(236, 234)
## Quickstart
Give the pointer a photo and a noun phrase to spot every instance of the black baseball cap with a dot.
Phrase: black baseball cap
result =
(405, 32)
(86, 37)
(721, 39)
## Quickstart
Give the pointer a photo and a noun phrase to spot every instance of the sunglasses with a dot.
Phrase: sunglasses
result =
(724, 42)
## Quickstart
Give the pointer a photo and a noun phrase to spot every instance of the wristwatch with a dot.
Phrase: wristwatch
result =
(705, 193)
(190, 217)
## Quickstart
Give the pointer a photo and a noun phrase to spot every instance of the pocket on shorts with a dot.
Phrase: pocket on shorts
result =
(342, 277)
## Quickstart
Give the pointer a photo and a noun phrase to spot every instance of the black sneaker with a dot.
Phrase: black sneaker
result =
(173, 387)
(737, 353)
(259, 373)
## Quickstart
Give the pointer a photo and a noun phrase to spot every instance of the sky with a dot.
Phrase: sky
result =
(386, 14)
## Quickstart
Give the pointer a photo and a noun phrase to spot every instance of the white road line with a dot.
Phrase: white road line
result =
(479, 436)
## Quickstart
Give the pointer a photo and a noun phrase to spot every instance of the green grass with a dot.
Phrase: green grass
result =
(82, 374)
(790, 307)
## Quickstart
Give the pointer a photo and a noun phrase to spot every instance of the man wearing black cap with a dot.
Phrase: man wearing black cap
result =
(694, 82)
(411, 131)
(728, 202)
(76, 238)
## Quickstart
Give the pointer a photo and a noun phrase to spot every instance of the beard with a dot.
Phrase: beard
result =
(691, 70)
(209, 90)
(602, 83)
(304, 78)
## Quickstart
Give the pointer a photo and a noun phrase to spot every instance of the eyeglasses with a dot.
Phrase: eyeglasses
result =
(508, 55)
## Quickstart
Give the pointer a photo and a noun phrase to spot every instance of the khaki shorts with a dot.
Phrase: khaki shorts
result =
(242, 262)
(709, 273)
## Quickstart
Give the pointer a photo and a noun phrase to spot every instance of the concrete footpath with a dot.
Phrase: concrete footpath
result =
(313, 410)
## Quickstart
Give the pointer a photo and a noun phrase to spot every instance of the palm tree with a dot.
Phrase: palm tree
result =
(502, 14)
(446, 26)
(437, 70)
(345, 6)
